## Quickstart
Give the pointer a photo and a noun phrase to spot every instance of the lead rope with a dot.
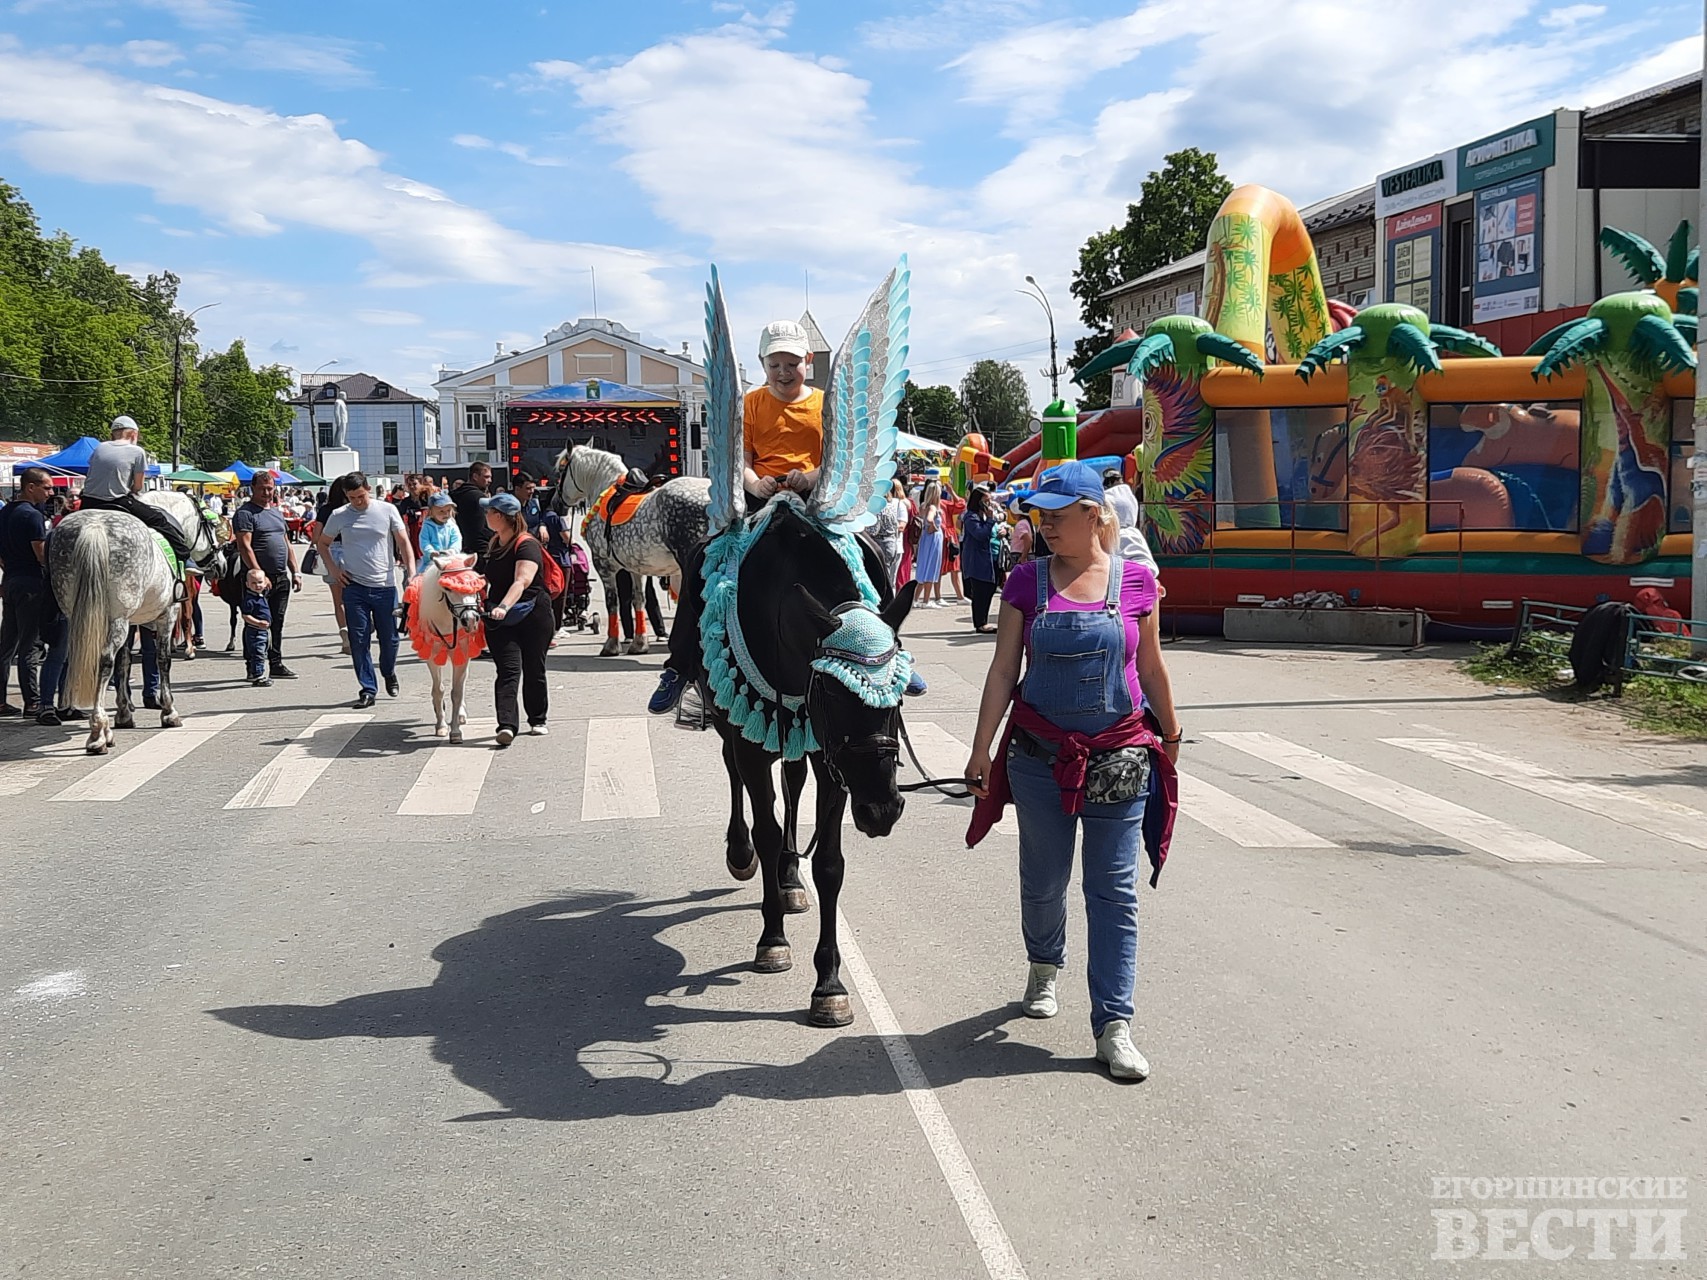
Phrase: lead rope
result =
(941, 785)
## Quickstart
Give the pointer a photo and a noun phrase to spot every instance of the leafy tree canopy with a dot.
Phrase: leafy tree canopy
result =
(1170, 220)
(932, 412)
(997, 402)
(81, 342)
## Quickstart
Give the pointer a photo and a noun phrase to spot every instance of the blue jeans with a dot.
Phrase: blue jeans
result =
(255, 651)
(57, 636)
(1113, 845)
(150, 665)
(369, 610)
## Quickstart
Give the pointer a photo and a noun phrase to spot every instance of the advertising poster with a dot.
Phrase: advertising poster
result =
(1414, 258)
(1508, 249)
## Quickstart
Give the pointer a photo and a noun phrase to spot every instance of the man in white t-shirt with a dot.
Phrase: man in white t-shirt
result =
(374, 544)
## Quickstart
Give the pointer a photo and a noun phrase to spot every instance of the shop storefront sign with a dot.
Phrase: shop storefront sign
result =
(1426, 182)
(1414, 258)
(1503, 156)
(1508, 250)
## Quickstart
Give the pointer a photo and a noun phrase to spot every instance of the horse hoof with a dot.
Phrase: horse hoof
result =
(610, 649)
(746, 872)
(455, 736)
(830, 1011)
(95, 748)
(773, 960)
(171, 722)
(124, 722)
(439, 731)
(795, 902)
(189, 655)
(636, 647)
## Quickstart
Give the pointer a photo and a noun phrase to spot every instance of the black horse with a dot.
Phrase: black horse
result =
(785, 622)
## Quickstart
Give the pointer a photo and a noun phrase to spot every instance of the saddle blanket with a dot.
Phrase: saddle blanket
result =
(618, 504)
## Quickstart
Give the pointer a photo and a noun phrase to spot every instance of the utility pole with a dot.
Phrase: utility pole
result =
(177, 396)
(1698, 473)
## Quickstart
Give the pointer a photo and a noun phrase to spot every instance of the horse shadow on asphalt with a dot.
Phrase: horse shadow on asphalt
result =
(547, 1010)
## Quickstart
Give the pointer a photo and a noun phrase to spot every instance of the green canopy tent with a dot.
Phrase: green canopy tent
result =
(190, 475)
(305, 476)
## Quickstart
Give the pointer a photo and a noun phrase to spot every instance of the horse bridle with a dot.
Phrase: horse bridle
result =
(834, 750)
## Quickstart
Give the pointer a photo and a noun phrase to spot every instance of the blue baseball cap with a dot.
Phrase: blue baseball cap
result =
(440, 499)
(1063, 485)
(506, 504)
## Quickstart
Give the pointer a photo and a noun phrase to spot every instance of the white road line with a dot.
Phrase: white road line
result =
(944, 756)
(809, 802)
(120, 776)
(1454, 821)
(286, 778)
(619, 782)
(1240, 821)
(1624, 805)
(54, 988)
(450, 781)
(1000, 1259)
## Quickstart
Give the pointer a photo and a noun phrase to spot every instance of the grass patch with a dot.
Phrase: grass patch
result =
(1677, 708)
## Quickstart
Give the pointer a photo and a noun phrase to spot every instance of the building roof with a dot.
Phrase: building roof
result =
(364, 388)
(814, 335)
(1335, 211)
(568, 334)
(1645, 95)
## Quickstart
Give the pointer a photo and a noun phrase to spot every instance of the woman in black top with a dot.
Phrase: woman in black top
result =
(518, 623)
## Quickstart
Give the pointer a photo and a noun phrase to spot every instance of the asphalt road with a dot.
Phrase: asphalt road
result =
(327, 998)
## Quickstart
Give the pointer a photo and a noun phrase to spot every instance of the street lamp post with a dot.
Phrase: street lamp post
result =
(313, 426)
(1042, 299)
(178, 385)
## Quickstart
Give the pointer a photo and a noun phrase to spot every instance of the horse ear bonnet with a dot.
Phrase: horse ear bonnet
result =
(863, 656)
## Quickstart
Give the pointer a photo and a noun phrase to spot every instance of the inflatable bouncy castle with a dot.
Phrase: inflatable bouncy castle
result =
(1397, 462)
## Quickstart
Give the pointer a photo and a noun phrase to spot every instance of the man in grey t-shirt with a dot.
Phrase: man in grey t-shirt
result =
(374, 543)
(114, 482)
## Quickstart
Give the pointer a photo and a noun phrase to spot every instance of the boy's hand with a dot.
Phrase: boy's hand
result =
(764, 486)
(802, 481)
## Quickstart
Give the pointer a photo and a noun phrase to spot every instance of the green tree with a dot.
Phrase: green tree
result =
(932, 412)
(1170, 220)
(997, 402)
(244, 417)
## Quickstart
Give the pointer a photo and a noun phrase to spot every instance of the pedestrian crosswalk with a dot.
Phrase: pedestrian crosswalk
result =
(635, 769)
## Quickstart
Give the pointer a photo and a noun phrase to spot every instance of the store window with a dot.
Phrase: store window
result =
(1682, 461)
(1504, 466)
(1280, 468)
(388, 439)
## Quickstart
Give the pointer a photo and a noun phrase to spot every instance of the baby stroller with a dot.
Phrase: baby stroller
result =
(578, 594)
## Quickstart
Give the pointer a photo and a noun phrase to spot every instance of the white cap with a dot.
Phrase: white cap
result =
(783, 335)
(124, 422)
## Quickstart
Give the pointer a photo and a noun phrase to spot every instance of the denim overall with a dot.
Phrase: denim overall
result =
(1076, 678)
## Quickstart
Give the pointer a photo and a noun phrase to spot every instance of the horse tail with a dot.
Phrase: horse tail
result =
(86, 613)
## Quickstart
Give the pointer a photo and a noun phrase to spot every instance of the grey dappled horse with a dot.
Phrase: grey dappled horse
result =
(109, 574)
(655, 543)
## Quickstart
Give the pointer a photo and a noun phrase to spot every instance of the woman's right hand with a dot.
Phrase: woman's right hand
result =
(978, 773)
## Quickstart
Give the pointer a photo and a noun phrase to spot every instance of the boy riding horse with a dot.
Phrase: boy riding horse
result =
(783, 433)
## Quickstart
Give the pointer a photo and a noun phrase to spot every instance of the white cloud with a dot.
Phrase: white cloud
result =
(1679, 58)
(947, 24)
(370, 315)
(244, 168)
(1572, 14)
(473, 141)
(203, 13)
(136, 53)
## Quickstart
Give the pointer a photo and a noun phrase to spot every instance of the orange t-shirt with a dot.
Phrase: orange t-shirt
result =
(783, 437)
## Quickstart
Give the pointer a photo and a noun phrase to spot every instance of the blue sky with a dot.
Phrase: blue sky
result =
(404, 185)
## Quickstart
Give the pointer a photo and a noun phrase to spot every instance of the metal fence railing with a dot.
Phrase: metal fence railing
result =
(1652, 646)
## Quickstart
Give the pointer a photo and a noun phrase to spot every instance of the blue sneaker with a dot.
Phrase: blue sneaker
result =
(915, 685)
(669, 692)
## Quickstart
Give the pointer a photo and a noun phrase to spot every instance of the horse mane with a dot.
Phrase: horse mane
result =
(604, 458)
(791, 551)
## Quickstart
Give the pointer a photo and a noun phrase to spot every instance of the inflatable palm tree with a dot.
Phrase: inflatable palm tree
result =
(1626, 344)
(1386, 471)
(1178, 455)
(1672, 274)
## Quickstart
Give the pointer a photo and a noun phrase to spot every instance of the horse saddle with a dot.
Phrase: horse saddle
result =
(618, 504)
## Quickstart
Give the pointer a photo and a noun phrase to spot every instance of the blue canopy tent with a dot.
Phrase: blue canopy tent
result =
(74, 458)
(242, 470)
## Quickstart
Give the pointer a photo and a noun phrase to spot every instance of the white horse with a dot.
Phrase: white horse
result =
(446, 630)
(655, 543)
(109, 574)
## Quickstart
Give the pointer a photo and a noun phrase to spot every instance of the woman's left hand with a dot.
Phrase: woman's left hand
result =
(1171, 750)
(499, 611)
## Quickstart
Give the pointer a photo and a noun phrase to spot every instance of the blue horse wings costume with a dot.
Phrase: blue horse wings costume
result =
(862, 393)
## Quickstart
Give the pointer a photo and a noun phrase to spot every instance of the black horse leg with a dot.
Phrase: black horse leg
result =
(830, 1006)
(124, 715)
(738, 853)
(773, 955)
(794, 901)
(169, 719)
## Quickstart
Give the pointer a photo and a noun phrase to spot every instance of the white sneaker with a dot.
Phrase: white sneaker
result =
(506, 737)
(1039, 999)
(538, 730)
(1115, 1047)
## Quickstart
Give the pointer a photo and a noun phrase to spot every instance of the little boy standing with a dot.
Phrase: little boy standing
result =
(257, 622)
